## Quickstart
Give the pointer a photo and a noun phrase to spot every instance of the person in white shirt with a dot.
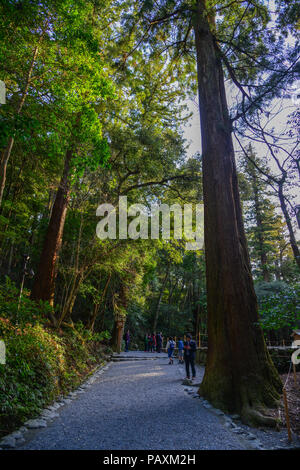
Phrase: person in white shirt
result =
(170, 348)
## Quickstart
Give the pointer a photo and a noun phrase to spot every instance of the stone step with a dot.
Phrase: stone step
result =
(128, 358)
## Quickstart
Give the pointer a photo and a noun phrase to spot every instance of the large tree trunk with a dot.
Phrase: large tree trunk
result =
(239, 376)
(44, 285)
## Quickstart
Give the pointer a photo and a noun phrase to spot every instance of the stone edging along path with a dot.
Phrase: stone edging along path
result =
(233, 423)
(250, 438)
(16, 438)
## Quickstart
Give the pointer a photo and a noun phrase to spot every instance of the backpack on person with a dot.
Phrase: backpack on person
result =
(171, 344)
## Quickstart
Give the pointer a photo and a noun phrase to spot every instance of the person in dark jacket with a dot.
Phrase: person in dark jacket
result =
(150, 343)
(180, 350)
(189, 356)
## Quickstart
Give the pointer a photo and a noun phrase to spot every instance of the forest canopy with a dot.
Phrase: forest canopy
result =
(98, 102)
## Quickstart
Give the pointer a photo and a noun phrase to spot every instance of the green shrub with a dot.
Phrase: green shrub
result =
(280, 307)
(41, 362)
(25, 311)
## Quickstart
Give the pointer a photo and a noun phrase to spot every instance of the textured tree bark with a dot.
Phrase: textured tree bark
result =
(239, 376)
(121, 300)
(3, 166)
(44, 285)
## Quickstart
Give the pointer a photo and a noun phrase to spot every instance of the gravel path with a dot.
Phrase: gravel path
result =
(138, 404)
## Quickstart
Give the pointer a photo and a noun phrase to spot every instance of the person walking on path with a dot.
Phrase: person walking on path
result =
(158, 342)
(127, 341)
(189, 356)
(170, 348)
(150, 343)
(180, 350)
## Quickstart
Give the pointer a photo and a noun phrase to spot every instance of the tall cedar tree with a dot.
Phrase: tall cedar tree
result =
(77, 97)
(240, 375)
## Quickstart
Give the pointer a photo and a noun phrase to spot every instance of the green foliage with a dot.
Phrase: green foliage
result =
(264, 289)
(279, 305)
(266, 232)
(41, 363)
(80, 332)
(113, 90)
(20, 311)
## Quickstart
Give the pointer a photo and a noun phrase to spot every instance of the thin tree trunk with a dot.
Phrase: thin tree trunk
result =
(285, 212)
(172, 292)
(239, 376)
(102, 315)
(185, 297)
(119, 320)
(160, 299)
(277, 270)
(10, 258)
(70, 301)
(279, 182)
(7, 152)
(195, 308)
(258, 216)
(44, 285)
(97, 305)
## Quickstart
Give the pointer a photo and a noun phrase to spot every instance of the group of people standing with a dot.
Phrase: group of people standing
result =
(186, 353)
(153, 342)
(186, 349)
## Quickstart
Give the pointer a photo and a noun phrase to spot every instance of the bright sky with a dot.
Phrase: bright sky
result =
(276, 122)
(193, 135)
(192, 129)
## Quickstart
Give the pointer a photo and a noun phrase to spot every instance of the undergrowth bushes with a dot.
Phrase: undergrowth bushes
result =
(41, 362)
